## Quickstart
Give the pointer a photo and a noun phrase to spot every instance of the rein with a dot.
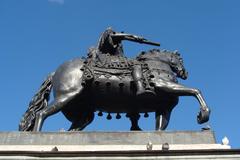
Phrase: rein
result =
(162, 70)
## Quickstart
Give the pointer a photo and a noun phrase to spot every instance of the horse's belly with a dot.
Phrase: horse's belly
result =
(116, 94)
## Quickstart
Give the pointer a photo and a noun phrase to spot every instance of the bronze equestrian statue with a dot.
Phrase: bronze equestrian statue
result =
(107, 81)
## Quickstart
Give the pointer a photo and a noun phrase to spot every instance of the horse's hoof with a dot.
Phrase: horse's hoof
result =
(203, 116)
(135, 128)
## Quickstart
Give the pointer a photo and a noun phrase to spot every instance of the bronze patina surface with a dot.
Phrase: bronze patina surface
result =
(107, 81)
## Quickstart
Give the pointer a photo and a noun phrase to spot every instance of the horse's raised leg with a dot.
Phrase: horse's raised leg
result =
(82, 122)
(53, 108)
(181, 90)
(162, 120)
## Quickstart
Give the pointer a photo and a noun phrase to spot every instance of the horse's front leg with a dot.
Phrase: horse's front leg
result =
(180, 90)
(162, 119)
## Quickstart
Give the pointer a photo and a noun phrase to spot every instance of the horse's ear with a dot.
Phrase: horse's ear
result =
(155, 50)
(176, 52)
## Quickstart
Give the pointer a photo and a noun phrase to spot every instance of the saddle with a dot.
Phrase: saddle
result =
(117, 71)
(108, 65)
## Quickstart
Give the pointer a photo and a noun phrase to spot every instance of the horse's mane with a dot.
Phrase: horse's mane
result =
(155, 52)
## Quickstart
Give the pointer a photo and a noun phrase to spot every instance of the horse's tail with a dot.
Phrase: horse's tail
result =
(38, 102)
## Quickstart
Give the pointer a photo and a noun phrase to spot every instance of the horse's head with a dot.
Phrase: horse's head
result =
(173, 59)
(177, 66)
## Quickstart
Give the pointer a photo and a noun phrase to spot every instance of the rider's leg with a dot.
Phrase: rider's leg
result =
(138, 79)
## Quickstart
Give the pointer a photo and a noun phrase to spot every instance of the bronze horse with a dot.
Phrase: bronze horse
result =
(115, 93)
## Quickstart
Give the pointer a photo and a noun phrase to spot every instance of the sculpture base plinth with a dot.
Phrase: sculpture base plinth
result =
(112, 145)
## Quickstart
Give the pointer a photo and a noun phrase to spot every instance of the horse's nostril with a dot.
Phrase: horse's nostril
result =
(152, 84)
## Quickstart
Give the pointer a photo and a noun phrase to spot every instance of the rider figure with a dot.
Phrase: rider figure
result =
(109, 45)
(110, 42)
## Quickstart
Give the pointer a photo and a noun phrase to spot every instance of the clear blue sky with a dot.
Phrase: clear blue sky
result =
(37, 36)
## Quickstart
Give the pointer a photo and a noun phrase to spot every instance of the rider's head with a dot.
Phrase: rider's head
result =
(108, 45)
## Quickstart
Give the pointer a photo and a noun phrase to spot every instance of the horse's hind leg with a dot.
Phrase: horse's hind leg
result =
(84, 119)
(55, 107)
(180, 90)
(134, 117)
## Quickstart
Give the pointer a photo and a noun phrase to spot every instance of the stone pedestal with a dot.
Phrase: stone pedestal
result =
(113, 145)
